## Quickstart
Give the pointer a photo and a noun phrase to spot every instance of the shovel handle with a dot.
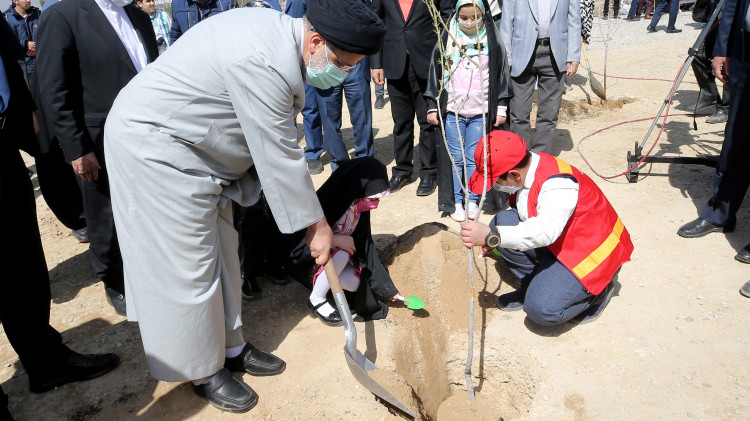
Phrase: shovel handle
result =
(333, 277)
(585, 55)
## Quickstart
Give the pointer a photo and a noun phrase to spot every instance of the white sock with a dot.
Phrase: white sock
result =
(321, 287)
(234, 351)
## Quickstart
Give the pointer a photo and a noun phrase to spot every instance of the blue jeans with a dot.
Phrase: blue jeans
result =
(312, 125)
(356, 88)
(634, 6)
(471, 130)
(674, 8)
(553, 294)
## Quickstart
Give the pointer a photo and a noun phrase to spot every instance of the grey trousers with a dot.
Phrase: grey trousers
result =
(553, 294)
(542, 66)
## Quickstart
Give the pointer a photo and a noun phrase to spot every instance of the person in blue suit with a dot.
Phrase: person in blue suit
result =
(356, 89)
(310, 114)
(187, 13)
(731, 65)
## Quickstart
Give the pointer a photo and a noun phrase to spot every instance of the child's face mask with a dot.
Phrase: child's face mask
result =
(367, 205)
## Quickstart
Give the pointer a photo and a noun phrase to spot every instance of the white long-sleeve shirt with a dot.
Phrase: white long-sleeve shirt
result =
(558, 198)
(120, 22)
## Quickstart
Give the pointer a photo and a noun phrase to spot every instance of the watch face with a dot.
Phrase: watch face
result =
(493, 240)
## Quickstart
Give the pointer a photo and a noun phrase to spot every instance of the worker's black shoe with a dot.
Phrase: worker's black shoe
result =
(701, 227)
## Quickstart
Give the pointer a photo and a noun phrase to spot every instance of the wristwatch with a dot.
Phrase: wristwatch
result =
(493, 238)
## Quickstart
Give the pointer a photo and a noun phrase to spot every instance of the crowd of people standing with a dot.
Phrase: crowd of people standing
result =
(219, 122)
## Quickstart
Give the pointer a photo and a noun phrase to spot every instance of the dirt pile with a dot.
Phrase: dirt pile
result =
(431, 349)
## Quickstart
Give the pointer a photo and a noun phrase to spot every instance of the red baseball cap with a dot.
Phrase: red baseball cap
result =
(505, 150)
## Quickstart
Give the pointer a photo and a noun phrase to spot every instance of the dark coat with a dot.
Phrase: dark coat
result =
(414, 36)
(730, 41)
(82, 66)
(354, 179)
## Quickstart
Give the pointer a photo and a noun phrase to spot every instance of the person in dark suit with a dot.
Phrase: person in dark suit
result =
(731, 65)
(405, 61)
(25, 301)
(88, 51)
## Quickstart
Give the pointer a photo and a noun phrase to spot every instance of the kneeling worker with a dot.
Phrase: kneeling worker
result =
(561, 238)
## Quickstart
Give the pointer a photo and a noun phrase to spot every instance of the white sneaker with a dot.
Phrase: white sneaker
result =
(459, 215)
(473, 210)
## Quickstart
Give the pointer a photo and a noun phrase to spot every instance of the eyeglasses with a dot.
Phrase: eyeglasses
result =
(341, 64)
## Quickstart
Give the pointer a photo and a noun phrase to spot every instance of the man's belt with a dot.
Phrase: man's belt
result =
(542, 41)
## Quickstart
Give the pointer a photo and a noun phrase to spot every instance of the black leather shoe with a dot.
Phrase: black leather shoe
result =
(511, 301)
(744, 254)
(74, 367)
(116, 300)
(701, 227)
(426, 187)
(673, 31)
(379, 102)
(745, 290)
(255, 362)
(227, 393)
(250, 288)
(398, 181)
(314, 166)
(719, 116)
(597, 306)
(333, 319)
(650, 29)
(82, 235)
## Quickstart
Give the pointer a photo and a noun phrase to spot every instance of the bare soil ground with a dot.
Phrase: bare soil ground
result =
(672, 344)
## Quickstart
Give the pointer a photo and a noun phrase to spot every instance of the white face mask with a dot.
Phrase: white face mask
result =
(121, 3)
(506, 189)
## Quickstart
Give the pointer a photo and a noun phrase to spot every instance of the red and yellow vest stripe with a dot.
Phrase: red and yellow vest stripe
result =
(594, 243)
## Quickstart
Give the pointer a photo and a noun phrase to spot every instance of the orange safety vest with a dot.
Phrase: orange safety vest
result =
(594, 243)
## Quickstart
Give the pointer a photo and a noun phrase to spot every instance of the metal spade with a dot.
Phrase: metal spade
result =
(358, 364)
(596, 87)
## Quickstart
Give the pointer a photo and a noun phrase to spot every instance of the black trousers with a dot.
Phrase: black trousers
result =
(406, 101)
(104, 249)
(732, 177)
(705, 76)
(260, 240)
(60, 189)
(25, 300)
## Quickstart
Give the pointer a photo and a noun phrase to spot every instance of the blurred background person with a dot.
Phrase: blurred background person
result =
(159, 20)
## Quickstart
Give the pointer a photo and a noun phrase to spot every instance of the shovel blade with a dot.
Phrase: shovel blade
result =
(597, 87)
(414, 303)
(359, 365)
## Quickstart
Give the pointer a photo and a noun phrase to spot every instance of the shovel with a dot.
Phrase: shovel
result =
(358, 364)
(596, 87)
(412, 303)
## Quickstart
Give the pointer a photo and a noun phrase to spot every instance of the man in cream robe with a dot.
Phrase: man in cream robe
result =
(210, 122)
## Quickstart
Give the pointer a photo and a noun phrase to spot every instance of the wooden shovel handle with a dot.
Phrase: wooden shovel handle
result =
(333, 278)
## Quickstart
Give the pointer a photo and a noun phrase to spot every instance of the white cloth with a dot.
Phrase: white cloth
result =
(558, 198)
(124, 28)
(215, 121)
(545, 7)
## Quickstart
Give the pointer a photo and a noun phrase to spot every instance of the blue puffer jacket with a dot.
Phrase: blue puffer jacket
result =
(25, 29)
(187, 13)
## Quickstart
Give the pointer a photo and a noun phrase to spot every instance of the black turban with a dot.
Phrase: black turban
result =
(348, 25)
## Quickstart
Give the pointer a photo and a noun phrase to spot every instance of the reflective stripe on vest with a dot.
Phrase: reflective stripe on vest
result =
(563, 166)
(601, 253)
